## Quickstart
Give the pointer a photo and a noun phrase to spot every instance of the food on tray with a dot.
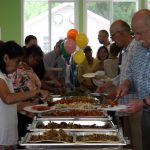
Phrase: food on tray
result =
(64, 125)
(76, 105)
(112, 102)
(74, 113)
(96, 137)
(109, 103)
(82, 99)
(61, 135)
(52, 135)
(40, 108)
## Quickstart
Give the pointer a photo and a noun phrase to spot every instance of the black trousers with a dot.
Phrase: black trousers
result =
(23, 121)
(146, 130)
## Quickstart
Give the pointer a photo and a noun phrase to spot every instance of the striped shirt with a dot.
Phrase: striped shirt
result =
(127, 55)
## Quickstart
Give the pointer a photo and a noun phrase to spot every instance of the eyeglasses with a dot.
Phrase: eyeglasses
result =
(113, 35)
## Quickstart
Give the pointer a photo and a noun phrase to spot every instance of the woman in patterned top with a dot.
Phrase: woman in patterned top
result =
(10, 55)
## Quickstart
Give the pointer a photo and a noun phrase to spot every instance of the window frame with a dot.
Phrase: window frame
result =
(76, 16)
(146, 4)
(138, 5)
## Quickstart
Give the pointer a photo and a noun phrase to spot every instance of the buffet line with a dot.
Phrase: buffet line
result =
(72, 122)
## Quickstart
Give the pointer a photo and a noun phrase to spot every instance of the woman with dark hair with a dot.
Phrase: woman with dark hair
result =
(10, 56)
(102, 54)
(24, 79)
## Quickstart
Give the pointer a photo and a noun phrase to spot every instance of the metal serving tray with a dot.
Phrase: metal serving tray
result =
(45, 144)
(71, 118)
(105, 125)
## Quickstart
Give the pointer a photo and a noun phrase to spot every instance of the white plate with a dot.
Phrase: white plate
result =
(115, 108)
(55, 96)
(30, 109)
(56, 69)
(95, 94)
(89, 75)
(97, 82)
(99, 94)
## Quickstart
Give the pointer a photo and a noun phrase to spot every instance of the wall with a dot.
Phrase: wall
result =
(10, 20)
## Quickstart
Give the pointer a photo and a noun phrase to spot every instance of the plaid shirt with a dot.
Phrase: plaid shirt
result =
(139, 71)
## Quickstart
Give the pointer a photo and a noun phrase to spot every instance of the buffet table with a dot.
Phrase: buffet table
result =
(66, 125)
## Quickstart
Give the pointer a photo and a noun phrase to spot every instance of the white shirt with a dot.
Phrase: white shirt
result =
(8, 118)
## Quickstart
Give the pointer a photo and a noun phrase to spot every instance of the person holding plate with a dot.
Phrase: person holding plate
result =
(10, 56)
(90, 66)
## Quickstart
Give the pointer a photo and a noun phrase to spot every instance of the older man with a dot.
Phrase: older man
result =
(121, 35)
(138, 75)
(54, 59)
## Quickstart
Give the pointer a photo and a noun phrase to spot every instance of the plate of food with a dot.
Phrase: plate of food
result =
(40, 108)
(114, 108)
(89, 75)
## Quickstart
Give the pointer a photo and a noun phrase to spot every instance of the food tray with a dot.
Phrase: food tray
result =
(74, 114)
(86, 125)
(120, 140)
(54, 118)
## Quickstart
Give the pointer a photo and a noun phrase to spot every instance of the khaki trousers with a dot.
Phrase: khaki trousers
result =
(131, 126)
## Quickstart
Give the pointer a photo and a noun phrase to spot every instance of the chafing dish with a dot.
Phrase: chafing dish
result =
(26, 141)
(84, 125)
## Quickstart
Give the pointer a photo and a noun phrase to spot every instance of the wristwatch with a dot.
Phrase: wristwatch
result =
(146, 107)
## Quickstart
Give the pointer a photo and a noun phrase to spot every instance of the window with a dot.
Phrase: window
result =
(101, 13)
(49, 20)
(147, 4)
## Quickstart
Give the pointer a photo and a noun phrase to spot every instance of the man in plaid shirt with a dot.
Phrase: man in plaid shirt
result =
(138, 74)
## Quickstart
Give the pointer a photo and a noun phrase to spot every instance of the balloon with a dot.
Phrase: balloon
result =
(63, 51)
(70, 46)
(79, 57)
(82, 40)
(72, 34)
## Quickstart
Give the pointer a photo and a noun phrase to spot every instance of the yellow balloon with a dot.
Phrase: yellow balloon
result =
(79, 57)
(82, 40)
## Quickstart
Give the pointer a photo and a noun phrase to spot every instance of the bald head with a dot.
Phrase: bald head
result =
(120, 33)
(119, 25)
(142, 15)
(141, 26)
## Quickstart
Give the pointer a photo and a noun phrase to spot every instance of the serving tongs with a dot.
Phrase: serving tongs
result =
(116, 99)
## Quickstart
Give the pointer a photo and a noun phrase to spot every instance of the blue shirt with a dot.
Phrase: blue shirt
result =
(139, 71)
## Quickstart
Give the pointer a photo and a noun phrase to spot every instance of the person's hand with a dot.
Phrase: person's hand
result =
(44, 94)
(111, 95)
(123, 89)
(104, 87)
(133, 106)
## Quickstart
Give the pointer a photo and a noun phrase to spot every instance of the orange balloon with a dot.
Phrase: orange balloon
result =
(72, 34)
